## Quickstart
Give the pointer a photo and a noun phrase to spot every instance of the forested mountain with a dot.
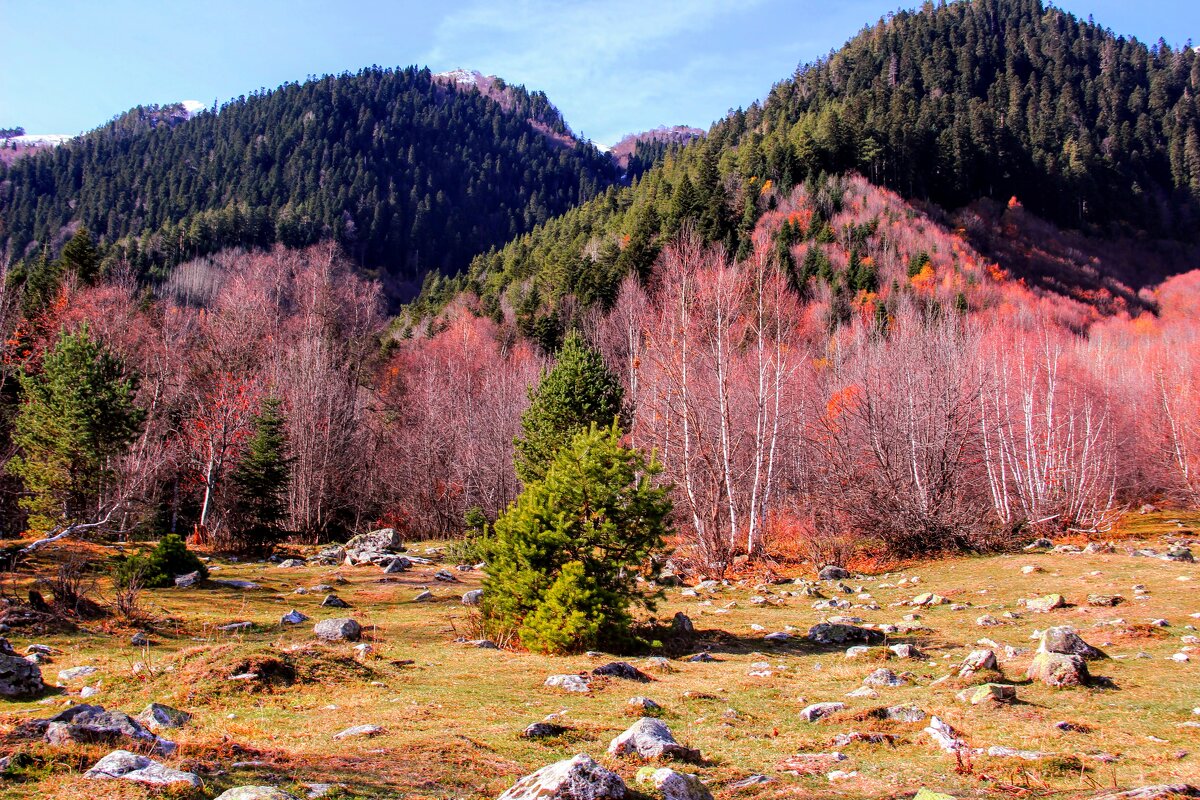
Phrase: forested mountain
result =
(408, 172)
(992, 99)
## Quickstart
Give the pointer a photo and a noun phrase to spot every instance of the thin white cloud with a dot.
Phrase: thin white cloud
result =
(596, 60)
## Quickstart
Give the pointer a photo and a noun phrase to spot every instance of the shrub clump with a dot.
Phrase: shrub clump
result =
(158, 568)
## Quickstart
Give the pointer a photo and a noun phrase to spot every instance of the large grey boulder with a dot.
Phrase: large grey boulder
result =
(373, 546)
(133, 767)
(833, 573)
(578, 778)
(18, 676)
(340, 629)
(832, 633)
(650, 738)
(1064, 639)
(1059, 670)
(473, 597)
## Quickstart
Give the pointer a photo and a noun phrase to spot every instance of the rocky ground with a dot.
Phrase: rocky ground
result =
(1060, 670)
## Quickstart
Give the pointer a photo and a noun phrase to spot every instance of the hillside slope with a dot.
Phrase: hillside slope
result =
(1093, 132)
(407, 171)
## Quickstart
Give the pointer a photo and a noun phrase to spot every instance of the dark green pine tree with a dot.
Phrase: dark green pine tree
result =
(78, 414)
(580, 390)
(261, 481)
(79, 255)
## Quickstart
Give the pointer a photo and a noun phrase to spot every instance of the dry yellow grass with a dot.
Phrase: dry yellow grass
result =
(452, 713)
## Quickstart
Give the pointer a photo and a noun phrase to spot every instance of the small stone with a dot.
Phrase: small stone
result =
(333, 601)
(543, 730)
(569, 683)
(293, 617)
(473, 597)
(644, 704)
(139, 639)
(989, 693)
(74, 673)
(157, 716)
(358, 731)
(134, 767)
(884, 677)
(1046, 604)
(818, 711)
(423, 597)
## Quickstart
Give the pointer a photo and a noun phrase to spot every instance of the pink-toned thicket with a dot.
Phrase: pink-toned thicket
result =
(932, 429)
(448, 409)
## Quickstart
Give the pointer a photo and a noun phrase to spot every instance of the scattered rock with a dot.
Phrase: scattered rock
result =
(906, 651)
(833, 573)
(1039, 544)
(645, 704)
(681, 625)
(18, 677)
(905, 713)
(74, 673)
(1064, 639)
(569, 683)
(445, 576)
(340, 629)
(86, 724)
(1105, 600)
(623, 670)
(473, 597)
(292, 563)
(543, 730)
(359, 730)
(659, 664)
(333, 601)
(257, 793)
(884, 677)
(843, 739)
(188, 581)
(977, 661)
(1159, 792)
(237, 584)
(945, 736)
(397, 565)
(293, 617)
(1179, 552)
(1059, 670)
(578, 778)
(157, 716)
(133, 767)
(929, 599)
(818, 711)
(989, 693)
(829, 633)
(235, 627)
(650, 738)
(424, 597)
(1045, 604)
(679, 786)
(139, 639)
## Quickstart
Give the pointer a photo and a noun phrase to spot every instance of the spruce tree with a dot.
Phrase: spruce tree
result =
(261, 482)
(77, 415)
(562, 565)
(578, 391)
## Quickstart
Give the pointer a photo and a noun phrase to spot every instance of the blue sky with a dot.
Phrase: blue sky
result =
(612, 67)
